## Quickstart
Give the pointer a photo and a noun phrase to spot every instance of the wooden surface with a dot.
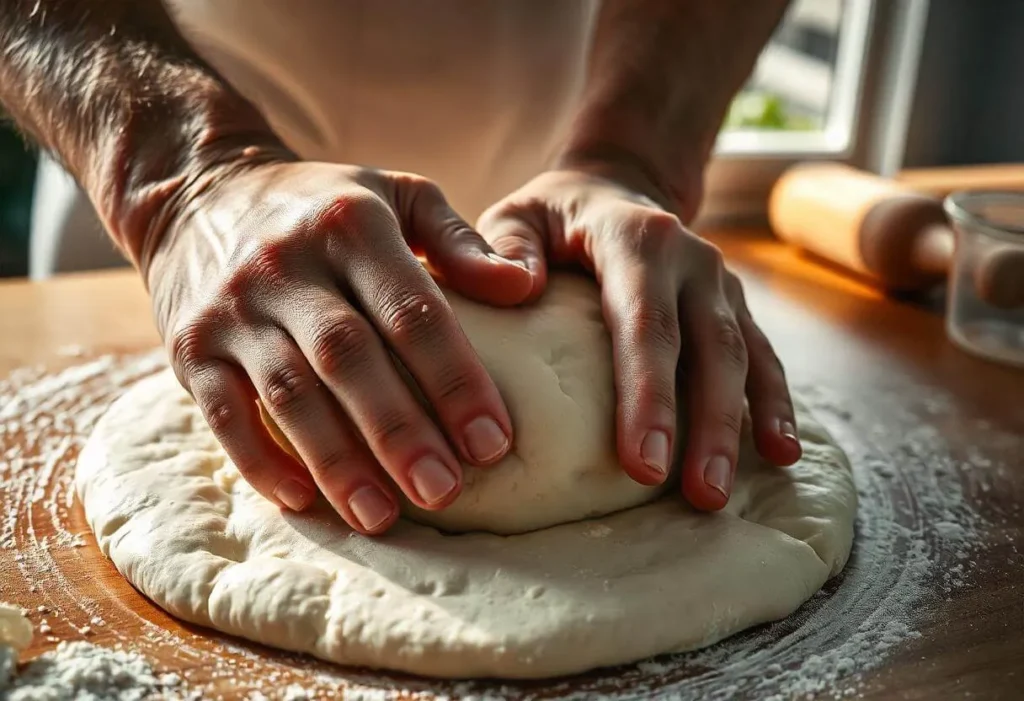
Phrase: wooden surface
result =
(942, 181)
(831, 333)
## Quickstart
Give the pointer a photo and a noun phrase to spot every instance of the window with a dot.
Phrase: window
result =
(819, 91)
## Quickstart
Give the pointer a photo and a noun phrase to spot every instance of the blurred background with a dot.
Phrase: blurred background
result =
(883, 84)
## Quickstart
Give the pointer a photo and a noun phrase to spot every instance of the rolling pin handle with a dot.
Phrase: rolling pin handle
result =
(933, 249)
(999, 278)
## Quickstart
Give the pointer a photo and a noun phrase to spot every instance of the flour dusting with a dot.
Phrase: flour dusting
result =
(78, 671)
(915, 544)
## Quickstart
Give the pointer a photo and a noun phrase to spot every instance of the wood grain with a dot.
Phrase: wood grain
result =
(830, 331)
(942, 181)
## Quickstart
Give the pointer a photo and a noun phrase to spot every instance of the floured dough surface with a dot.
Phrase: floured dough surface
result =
(179, 522)
(552, 363)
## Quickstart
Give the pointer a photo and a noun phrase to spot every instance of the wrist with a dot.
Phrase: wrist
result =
(161, 156)
(678, 190)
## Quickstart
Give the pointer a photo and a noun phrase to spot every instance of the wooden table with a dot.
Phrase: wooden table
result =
(832, 333)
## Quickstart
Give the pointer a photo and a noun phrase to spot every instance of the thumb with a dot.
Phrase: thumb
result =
(515, 238)
(465, 261)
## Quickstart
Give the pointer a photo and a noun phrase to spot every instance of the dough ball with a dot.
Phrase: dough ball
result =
(552, 363)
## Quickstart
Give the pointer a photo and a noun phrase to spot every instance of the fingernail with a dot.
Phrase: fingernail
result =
(295, 495)
(654, 451)
(432, 480)
(788, 430)
(718, 474)
(485, 441)
(370, 507)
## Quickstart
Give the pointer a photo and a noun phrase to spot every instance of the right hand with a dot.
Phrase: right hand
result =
(295, 283)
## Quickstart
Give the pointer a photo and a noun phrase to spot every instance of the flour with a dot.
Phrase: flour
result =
(74, 671)
(916, 541)
(914, 527)
(80, 671)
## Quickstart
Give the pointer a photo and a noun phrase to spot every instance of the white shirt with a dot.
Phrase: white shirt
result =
(474, 94)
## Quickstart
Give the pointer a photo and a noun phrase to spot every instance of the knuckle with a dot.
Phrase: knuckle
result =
(707, 258)
(656, 231)
(729, 339)
(661, 223)
(342, 347)
(453, 384)
(285, 388)
(426, 188)
(350, 212)
(187, 348)
(414, 318)
(458, 235)
(333, 463)
(265, 265)
(657, 323)
(733, 422)
(416, 193)
(518, 242)
(391, 428)
(660, 392)
(221, 415)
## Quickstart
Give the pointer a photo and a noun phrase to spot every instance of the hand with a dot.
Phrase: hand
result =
(295, 283)
(664, 290)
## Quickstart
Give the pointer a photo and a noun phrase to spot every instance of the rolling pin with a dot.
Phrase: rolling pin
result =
(896, 237)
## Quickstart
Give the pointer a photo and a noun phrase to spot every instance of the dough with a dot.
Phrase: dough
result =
(178, 521)
(552, 363)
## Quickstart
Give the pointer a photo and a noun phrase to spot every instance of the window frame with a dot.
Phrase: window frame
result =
(878, 53)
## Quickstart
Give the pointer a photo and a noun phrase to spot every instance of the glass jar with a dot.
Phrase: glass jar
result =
(985, 303)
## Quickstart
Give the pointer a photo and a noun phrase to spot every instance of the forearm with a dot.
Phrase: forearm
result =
(116, 94)
(662, 76)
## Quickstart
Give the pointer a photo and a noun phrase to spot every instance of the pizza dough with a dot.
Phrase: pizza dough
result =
(553, 365)
(178, 521)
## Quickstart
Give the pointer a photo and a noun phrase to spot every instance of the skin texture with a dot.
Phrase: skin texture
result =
(296, 282)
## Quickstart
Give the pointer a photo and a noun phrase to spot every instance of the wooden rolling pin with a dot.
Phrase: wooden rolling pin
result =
(887, 232)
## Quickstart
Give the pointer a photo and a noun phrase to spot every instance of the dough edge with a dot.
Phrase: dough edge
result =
(215, 575)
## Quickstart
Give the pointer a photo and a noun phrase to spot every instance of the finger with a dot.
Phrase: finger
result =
(304, 411)
(642, 313)
(351, 479)
(417, 323)
(717, 372)
(771, 407)
(348, 355)
(228, 403)
(468, 263)
(515, 238)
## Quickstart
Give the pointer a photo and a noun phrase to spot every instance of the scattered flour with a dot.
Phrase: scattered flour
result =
(915, 543)
(294, 692)
(78, 671)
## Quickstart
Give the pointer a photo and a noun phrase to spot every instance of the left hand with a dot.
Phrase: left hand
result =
(664, 290)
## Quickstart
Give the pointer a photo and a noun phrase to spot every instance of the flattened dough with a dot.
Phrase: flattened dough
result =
(173, 514)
